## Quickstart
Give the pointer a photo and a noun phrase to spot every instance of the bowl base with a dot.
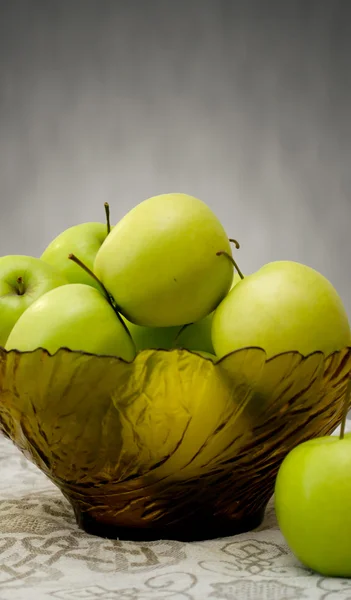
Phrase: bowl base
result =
(196, 530)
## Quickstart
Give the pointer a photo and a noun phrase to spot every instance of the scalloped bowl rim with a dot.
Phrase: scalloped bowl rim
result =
(176, 350)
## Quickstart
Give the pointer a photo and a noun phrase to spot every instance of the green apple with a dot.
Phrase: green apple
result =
(197, 336)
(313, 504)
(75, 316)
(285, 306)
(84, 241)
(194, 337)
(23, 279)
(157, 338)
(161, 264)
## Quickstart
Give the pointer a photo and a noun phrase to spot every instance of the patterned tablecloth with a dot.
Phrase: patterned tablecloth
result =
(44, 556)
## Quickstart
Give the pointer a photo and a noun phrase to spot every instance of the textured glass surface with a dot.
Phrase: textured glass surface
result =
(170, 445)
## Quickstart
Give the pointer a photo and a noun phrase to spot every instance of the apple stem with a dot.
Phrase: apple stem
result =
(107, 213)
(222, 252)
(80, 264)
(20, 286)
(346, 409)
(183, 328)
(117, 312)
(235, 242)
(108, 296)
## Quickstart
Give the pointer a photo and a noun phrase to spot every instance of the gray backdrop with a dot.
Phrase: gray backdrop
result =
(245, 104)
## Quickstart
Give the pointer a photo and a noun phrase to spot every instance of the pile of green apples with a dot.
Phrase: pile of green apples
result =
(163, 277)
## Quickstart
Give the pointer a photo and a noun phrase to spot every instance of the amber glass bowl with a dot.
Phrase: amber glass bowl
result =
(170, 445)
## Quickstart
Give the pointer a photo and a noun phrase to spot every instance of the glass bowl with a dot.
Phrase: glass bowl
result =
(170, 445)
